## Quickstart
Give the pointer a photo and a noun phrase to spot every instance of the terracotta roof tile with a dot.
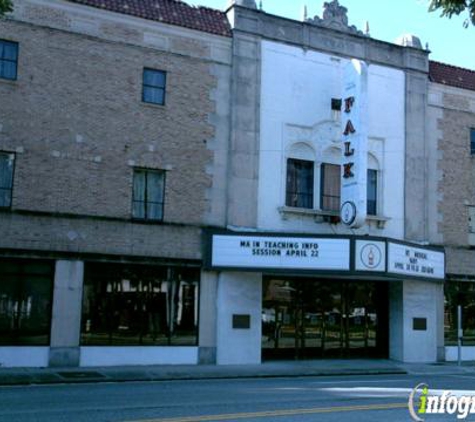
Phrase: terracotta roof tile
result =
(446, 74)
(173, 12)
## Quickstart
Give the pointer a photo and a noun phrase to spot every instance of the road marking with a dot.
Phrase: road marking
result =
(277, 413)
(360, 381)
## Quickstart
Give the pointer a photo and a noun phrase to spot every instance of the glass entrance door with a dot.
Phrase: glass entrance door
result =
(312, 319)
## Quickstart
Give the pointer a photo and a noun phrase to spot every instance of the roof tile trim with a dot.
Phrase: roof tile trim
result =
(446, 74)
(173, 12)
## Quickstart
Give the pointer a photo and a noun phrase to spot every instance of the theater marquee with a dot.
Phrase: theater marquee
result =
(341, 255)
(280, 252)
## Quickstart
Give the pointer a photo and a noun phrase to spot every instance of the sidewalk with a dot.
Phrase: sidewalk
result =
(27, 376)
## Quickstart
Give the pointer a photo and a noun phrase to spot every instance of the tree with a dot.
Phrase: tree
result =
(5, 6)
(454, 7)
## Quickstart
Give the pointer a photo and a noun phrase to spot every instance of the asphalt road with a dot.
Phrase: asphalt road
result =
(367, 398)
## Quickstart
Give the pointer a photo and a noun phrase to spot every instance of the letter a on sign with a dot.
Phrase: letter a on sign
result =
(354, 142)
(349, 129)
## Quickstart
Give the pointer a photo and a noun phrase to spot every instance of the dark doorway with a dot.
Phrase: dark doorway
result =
(314, 319)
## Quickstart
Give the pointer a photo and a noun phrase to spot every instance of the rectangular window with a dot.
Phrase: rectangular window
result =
(472, 141)
(372, 192)
(129, 305)
(26, 291)
(6, 179)
(330, 183)
(8, 59)
(148, 194)
(459, 293)
(154, 82)
(299, 191)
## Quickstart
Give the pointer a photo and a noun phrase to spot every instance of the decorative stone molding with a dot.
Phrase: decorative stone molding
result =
(409, 40)
(335, 17)
(332, 217)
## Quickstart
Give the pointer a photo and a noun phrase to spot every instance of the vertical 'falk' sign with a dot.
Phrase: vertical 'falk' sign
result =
(354, 117)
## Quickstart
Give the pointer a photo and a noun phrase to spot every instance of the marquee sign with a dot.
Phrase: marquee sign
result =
(351, 255)
(281, 252)
(370, 255)
(419, 262)
(355, 144)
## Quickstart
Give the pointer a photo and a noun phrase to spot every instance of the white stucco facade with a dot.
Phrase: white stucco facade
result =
(239, 294)
(411, 299)
(297, 121)
(120, 356)
(289, 111)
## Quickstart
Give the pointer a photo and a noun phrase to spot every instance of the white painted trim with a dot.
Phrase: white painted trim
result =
(19, 356)
(93, 12)
(220, 45)
(437, 91)
(468, 353)
(118, 356)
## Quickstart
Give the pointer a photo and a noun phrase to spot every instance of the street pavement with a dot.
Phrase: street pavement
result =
(366, 398)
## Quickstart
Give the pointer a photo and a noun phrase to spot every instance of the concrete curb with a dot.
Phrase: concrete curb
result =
(83, 377)
(283, 369)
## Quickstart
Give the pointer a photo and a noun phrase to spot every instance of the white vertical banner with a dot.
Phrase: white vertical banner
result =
(354, 117)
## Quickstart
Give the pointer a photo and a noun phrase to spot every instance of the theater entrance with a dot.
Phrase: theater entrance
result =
(305, 318)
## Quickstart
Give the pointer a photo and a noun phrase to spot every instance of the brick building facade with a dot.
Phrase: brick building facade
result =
(142, 145)
(451, 130)
(116, 126)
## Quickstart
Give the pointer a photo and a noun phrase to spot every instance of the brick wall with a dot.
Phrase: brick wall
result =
(455, 174)
(457, 167)
(77, 123)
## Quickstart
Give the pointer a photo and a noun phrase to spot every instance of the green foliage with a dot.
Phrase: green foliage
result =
(454, 7)
(5, 6)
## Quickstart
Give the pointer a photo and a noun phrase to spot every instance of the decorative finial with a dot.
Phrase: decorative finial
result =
(409, 40)
(260, 4)
(427, 46)
(251, 4)
(366, 30)
(304, 13)
(334, 16)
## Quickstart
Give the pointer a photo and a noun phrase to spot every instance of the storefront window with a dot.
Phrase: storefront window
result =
(127, 305)
(459, 293)
(26, 290)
